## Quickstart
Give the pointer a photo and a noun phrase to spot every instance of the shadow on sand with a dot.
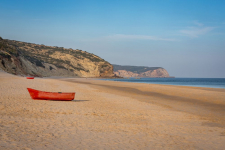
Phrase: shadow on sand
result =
(68, 101)
(79, 100)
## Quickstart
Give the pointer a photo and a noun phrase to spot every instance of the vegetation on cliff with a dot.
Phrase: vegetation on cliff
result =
(135, 69)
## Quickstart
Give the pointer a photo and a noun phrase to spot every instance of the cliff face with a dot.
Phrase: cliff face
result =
(40, 60)
(140, 71)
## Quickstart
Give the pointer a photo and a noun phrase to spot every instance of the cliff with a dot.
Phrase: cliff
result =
(23, 58)
(140, 71)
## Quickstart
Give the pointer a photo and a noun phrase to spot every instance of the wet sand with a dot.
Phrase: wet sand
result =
(110, 115)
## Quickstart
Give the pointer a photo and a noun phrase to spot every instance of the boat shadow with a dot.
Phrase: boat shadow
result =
(79, 100)
(62, 100)
(70, 101)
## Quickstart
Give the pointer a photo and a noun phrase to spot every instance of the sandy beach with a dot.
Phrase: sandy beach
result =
(110, 115)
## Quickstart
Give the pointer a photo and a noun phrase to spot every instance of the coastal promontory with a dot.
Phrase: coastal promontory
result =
(140, 71)
(22, 58)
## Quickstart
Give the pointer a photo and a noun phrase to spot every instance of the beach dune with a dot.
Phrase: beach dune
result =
(110, 115)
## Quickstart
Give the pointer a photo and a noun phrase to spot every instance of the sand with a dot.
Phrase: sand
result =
(110, 115)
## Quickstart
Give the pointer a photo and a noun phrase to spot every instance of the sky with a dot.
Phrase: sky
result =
(186, 37)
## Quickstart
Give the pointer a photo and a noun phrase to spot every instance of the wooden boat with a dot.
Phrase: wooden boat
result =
(42, 95)
(30, 77)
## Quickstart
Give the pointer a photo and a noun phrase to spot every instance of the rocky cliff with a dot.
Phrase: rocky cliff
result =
(23, 58)
(140, 71)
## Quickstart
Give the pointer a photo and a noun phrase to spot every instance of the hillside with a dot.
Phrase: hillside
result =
(23, 58)
(140, 71)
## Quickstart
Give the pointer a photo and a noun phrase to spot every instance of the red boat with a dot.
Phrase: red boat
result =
(30, 77)
(41, 95)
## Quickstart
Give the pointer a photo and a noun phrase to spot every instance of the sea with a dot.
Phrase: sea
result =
(195, 82)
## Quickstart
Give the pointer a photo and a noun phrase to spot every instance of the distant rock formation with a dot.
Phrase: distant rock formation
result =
(140, 71)
(23, 58)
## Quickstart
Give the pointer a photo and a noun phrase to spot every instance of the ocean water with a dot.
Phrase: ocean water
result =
(196, 82)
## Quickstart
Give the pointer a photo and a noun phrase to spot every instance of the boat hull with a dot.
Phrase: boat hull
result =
(30, 77)
(41, 95)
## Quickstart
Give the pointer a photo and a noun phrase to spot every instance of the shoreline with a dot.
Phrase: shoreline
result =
(174, 84)
(110, 115)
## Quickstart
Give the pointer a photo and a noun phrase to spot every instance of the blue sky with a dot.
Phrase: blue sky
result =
(187, 38)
